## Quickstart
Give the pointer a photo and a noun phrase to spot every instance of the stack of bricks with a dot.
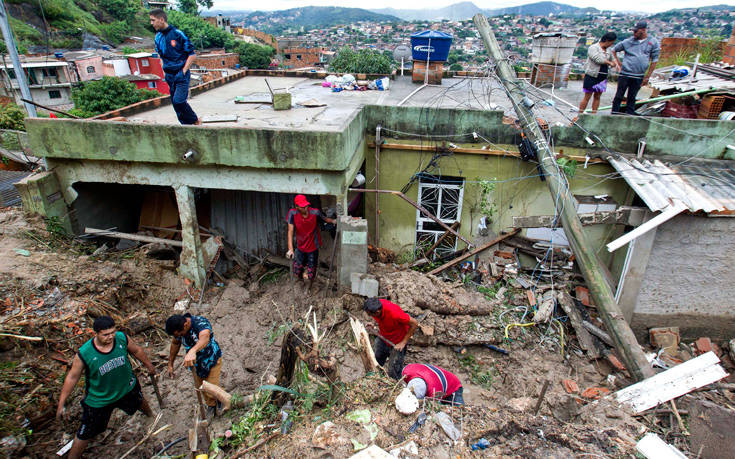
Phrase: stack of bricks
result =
(729, 54)
(546, 75)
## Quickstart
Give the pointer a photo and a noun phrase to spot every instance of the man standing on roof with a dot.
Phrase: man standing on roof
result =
(109, 381)
(641, 57)
(304, 221)
(177, 54)
(395, 328)
(431, 381)
(203, 354)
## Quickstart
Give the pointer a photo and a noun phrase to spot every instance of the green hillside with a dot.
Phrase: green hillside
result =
(66, 23)
(311, 17)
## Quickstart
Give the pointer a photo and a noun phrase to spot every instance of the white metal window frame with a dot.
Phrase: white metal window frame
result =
(421, 218)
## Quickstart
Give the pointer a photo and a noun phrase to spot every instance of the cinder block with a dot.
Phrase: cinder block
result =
(364, 284)
(667, 338)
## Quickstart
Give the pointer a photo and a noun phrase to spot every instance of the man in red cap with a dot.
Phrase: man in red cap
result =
(304, 221)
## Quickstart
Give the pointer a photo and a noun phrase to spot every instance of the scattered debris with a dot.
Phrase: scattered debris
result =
(652, 447)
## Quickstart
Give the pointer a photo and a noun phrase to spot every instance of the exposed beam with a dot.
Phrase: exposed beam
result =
(476, 151)
(589, 264)
(630, 216)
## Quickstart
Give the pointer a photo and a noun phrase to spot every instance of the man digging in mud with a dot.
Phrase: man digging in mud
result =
(395, 329)
(305, 222)
(203, 354)
(109, 381)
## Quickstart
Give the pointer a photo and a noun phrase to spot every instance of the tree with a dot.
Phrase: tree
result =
(362, 61)
(254, 56)
(109, 93)
(191, 6)
(201, 33)
(11, 117)
(455, 67)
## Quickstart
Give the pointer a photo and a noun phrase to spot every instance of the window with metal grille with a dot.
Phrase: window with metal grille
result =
(441, 196)
(54, 94)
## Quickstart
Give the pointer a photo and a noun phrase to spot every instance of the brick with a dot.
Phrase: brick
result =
(615, 362)
(501, 254)
(594, 393)
(570, 386)
(703, 345)
(531, 297)
(667, 338)
(583, 295)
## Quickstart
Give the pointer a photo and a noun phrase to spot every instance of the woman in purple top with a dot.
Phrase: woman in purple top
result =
(596, 70)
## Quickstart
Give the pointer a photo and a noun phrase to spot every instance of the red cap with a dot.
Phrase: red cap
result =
(300, 201)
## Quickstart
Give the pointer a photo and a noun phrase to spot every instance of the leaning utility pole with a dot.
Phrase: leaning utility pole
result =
(592, 270)
(13, 51)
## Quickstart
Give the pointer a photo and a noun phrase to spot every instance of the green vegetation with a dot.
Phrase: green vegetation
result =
(191, 6)
(11, 117)
(486, 205)
(96, 97)
(69, 21)
(254, 56)
(311, 17)
(362, 61)
(569, 166)
(480, 374)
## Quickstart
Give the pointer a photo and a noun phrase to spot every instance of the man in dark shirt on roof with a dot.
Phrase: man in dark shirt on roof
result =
(641, 56)
(395, 327)
(304, 222)
(177, 54)
(203, 354)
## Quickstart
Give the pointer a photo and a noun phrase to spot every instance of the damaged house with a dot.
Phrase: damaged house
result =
(238, 173)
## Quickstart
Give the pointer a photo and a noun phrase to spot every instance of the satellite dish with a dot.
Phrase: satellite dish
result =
(402, 52)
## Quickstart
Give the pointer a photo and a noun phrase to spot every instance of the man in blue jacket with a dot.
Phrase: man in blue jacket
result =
(177, 54)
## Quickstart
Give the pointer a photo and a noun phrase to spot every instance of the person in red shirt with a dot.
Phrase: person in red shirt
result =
(431, 381)
(395, 328)
(304, 222)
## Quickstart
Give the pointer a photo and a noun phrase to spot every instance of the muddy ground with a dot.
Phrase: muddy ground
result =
(251, 312)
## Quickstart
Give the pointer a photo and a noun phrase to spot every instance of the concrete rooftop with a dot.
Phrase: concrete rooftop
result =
(455, 93)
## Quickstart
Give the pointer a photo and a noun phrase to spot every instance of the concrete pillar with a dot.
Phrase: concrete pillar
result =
(353, 254)
(192, 259)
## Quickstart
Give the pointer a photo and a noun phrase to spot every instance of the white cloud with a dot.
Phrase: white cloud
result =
(619, 5)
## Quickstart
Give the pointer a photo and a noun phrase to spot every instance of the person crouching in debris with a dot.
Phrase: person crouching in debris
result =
(395, 328)
(109, 381)
(426, 380)
(305, 222)
(203, 354)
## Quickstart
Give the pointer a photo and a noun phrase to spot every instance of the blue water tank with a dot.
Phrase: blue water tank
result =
(58, 55)
(430, 45)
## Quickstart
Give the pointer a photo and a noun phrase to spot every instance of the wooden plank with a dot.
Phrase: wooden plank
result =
(132, 237)
(672, 383)
(219, 119)
(474, 252)
(583, 336)
(652, 447)
(598, 332)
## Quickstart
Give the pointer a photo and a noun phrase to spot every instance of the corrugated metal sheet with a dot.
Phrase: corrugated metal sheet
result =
(709, 188)
(8, 194)
(254, 221)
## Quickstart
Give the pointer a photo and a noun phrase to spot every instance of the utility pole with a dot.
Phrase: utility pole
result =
(591, 268)
(20, 75)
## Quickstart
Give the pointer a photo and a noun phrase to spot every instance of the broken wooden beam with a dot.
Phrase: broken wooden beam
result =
(624, 215)
(598, 332)
(454, 226)
(474, 252)
(575, 317)
(132, 237)
(365, 348)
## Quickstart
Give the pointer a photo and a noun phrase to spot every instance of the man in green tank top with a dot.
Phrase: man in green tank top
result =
(109, 381)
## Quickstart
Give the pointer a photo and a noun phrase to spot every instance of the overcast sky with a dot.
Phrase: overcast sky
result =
(619, 5)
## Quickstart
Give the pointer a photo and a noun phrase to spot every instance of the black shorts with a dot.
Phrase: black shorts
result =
(94, 420)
